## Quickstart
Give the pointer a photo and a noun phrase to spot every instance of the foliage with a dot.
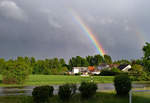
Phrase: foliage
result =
(41, 94)
(78, 62)
(95, 60)
(122, 84)
(146, 58)
(66, 91)
(107, 59)
(123, 61)
(15, 72)
(112, 72)
(101, 97)
(50, 66)
(2, 64)
(137, 73)
(87, 89)
(88, 61)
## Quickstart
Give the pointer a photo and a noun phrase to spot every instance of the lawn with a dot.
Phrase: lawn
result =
(102, 97)
(34, 80)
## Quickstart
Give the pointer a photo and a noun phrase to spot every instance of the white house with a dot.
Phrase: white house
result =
(76, 70)
(125, 67)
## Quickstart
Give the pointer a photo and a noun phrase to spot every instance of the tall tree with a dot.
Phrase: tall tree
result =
(146, 50)
(108, 59)
(146, 58)
(98, 60)
(62, 61)
(2, 64)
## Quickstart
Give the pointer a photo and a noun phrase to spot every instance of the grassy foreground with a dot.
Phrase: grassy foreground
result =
(103, 97)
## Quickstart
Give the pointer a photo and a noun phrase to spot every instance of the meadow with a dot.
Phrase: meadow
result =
(36, 80)
(100, 97)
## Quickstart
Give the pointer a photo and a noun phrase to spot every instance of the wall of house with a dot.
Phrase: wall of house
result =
(127, 68)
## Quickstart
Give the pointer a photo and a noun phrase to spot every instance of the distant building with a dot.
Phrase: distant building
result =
(91, 68)
(124, 67)
(113, 65)
(102, 66)
(77, 70)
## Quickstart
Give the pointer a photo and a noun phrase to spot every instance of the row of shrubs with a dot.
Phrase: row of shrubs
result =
(41, 94)
(87, 90)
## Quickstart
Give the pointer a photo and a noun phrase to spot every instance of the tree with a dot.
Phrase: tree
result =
(84, 63)
(108, 59)
(123, 61)
(78, 61)
(15, 72)
(138, 73)
(98, 60)
(136, 70)
(146, 58)
(32, 61)
(62, 62)
(2, 64)
(89, 59)
(146, 50)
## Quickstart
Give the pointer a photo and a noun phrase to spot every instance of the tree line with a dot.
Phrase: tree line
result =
(55, 65)
(59, 65)
(17, 70)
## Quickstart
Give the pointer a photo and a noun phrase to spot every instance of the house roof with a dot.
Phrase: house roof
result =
(122, 66)
(91, 68)
(103, 65)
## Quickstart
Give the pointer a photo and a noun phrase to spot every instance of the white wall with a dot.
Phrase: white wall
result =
(127, 68)
(75, 70)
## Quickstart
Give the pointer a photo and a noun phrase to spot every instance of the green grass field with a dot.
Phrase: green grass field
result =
(35, 80)
(102, 97)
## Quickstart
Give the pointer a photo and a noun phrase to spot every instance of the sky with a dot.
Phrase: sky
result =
(46, 28)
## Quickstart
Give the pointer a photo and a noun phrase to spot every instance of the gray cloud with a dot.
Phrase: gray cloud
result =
(10, 9)
(48, 29)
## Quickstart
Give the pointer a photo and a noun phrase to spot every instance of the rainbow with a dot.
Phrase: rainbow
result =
(89, 34)
(138, 33)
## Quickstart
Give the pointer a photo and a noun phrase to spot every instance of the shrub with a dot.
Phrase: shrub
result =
(66, 91)
(15, 72)
(122, 84)
(142, 77)
(137, 73)
(112, 72)
(87, 89)
(41, 94)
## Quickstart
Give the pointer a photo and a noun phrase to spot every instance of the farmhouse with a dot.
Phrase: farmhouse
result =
(93, 70)
(124, 67)
(77, 70)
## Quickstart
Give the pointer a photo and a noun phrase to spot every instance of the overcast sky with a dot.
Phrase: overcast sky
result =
(46, 28)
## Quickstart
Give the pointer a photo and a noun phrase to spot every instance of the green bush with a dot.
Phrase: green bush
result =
(87, 89)
(142, 77)
(15, 72)
(66, 91)
(41, 94)
(112, 72)
(122, 84)
(138, 73)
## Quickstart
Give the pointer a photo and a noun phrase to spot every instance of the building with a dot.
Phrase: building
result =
(103, 66)
(124, 67)
(77, 70)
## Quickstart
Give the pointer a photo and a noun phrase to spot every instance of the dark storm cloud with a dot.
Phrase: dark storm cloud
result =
(47, 29)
